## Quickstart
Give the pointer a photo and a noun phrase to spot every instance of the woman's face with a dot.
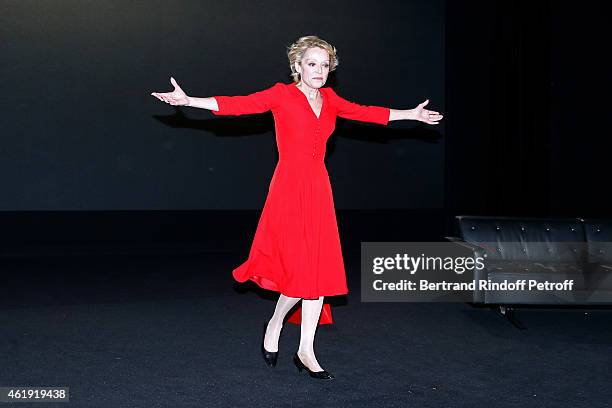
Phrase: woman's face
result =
(314, 67)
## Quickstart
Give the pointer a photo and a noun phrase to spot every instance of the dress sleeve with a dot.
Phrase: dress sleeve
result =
(257, 102)
(362, 113)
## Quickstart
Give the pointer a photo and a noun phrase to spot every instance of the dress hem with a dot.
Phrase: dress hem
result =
(295, 317)
(268, 284)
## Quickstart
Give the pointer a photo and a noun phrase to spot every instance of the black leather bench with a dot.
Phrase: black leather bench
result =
(541, 250)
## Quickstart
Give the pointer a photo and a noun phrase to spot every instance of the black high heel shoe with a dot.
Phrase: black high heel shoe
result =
(321, 375)
(269, 357)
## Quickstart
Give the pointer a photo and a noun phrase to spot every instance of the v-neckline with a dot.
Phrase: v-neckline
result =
(308, 102)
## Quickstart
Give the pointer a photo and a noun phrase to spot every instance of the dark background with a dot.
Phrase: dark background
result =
(84, 133)
(526, 87)
(88, 156)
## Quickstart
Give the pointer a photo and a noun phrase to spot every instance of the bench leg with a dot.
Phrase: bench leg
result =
(508, 313)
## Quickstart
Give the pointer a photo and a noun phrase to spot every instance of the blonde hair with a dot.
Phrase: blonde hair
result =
(296, 51)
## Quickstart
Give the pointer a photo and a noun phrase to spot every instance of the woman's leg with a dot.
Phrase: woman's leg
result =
(284, 304)
(311, 310)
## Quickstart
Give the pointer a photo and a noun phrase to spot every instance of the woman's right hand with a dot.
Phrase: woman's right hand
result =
(177, 97)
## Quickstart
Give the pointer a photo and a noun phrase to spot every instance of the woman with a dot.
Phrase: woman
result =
(296, 249)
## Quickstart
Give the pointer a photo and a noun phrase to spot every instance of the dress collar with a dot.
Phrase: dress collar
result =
(301, 95)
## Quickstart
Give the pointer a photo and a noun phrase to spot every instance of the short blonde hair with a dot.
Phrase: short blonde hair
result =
(296, 51)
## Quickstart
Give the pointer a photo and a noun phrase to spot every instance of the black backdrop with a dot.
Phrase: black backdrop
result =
(523, 85)
(526, 82)
(81, 131)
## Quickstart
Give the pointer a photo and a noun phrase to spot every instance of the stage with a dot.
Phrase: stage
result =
(173, 329)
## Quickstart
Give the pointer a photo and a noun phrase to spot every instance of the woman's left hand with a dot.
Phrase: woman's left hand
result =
(425, 115)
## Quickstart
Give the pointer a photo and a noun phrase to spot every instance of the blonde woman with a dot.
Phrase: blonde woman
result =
(296, 249)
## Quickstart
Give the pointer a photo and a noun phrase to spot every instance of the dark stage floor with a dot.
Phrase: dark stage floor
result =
(175, 331)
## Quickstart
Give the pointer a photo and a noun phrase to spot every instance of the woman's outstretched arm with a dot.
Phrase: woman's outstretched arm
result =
(418, 113)
(256, 102)
(382, 115)
(178, 97)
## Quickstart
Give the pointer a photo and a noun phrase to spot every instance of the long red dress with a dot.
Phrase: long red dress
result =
(296, 249)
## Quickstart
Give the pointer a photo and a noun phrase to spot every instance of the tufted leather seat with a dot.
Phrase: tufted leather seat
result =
(540, 249)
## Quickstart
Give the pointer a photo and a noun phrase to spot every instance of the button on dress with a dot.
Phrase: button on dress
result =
(296, 248)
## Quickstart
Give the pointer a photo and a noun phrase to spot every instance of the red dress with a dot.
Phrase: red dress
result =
(296, 249)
